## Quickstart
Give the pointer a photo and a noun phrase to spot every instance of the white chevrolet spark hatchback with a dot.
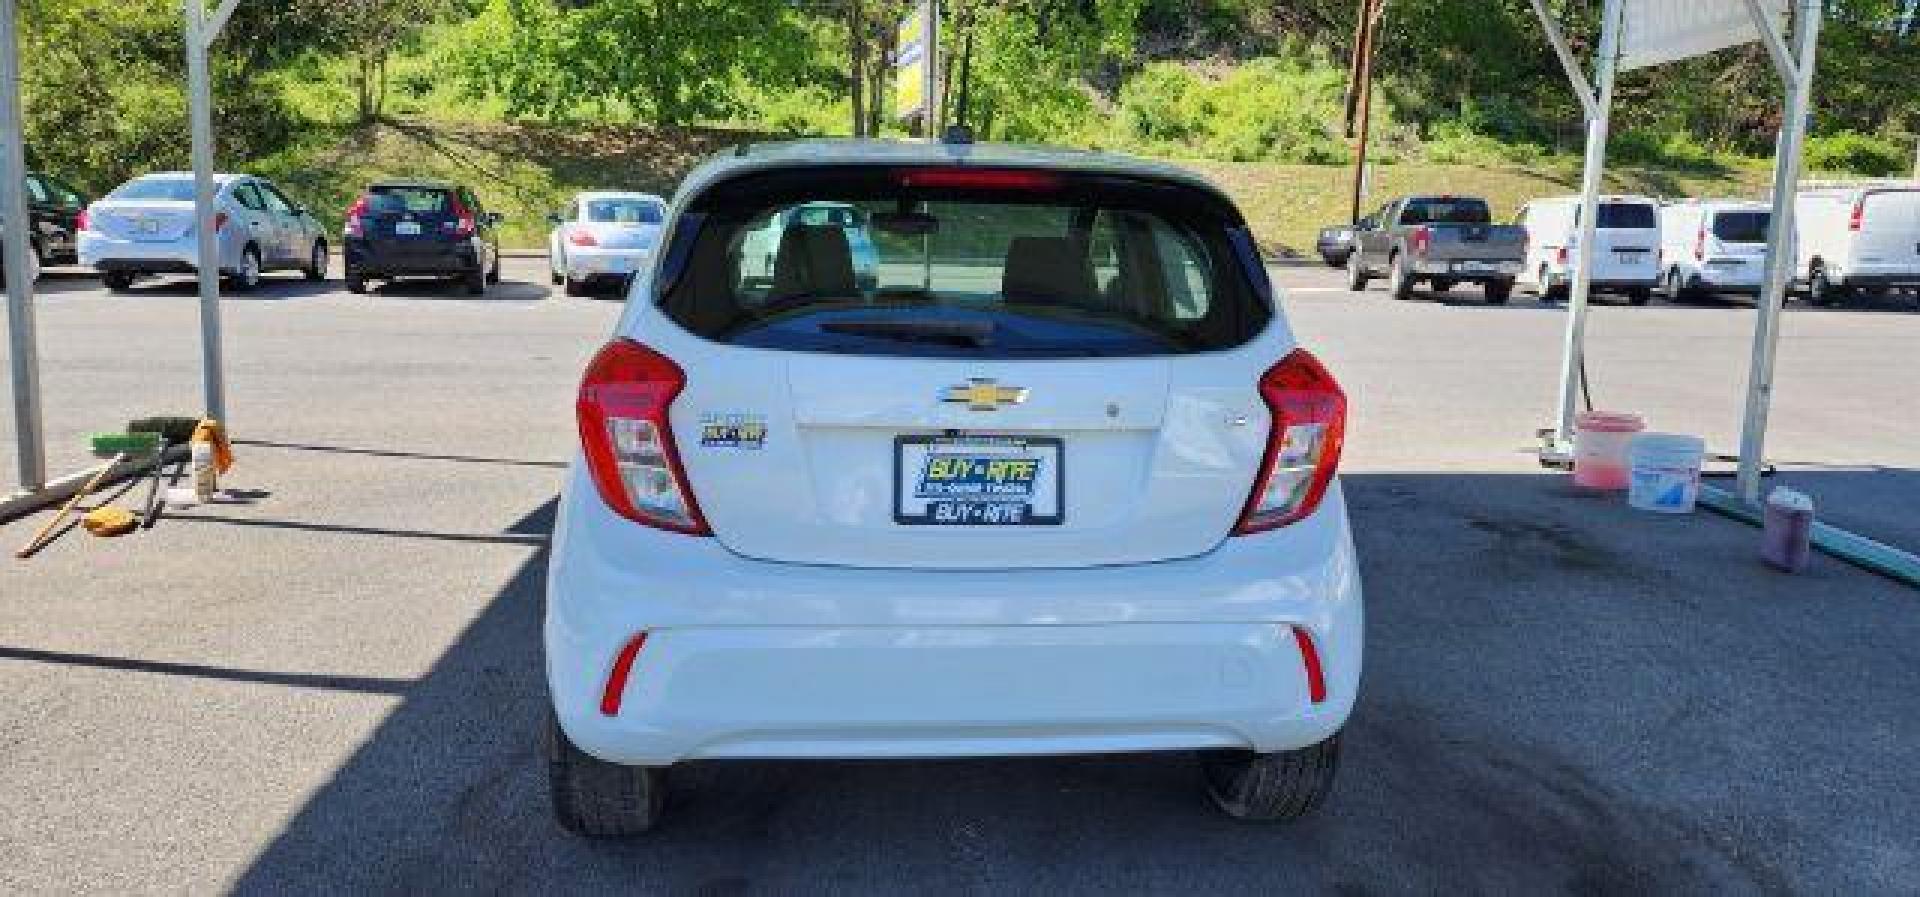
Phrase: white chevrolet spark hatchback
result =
(1056, 480)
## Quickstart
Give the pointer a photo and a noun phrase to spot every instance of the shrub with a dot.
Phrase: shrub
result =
(1851, 152)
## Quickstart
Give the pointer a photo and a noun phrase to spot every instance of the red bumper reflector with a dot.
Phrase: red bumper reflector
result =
(1310, 657)
(617, 677)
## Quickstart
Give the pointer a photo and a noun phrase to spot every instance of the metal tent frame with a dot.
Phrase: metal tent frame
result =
(1796, 69)
(201, 30)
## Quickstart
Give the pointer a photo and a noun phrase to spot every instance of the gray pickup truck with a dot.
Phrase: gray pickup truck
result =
(1438, 240)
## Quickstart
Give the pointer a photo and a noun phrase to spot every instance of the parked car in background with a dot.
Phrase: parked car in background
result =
(809, 520)
(1439, 241)
(1626, 252)
(146, 226)
(1335, 244)
(762, 245)
(54, 210)
(603, 238)
(1854, 237)
(399, 229)
(1713, 246)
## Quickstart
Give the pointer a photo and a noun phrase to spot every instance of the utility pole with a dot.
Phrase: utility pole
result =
(1368, 29)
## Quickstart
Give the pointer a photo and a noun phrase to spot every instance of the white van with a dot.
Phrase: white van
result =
(1714, 246)
(1626, 255)
(1857, 236)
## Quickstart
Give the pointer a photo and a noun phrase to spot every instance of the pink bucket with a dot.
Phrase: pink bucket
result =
(1600, 440)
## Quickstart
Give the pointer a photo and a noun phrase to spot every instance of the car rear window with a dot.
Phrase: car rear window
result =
(623, 211)
(163, 189)
(1446, 211)
(392, 200)
(1741, 227)
(1627, 216)
(932, 262)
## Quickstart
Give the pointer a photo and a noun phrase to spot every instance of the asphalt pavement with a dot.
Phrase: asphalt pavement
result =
(332, 683)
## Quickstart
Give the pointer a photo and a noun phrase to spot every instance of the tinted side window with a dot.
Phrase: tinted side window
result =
(249, 196)
(275, 201)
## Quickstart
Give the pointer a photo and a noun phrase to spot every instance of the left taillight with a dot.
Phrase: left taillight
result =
(628, 442)
(1422, 240)
(580, 236)
(1303, 445)
(84, 221)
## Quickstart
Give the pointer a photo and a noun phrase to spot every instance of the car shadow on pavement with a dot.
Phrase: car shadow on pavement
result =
(446, 288)
(1560, 695)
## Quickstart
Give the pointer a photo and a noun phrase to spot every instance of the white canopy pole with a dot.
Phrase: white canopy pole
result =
(22, 342)
(1598, 117)
(1797, 75)
(200, 36)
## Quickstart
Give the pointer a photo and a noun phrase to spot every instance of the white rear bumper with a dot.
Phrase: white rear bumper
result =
(747, 658)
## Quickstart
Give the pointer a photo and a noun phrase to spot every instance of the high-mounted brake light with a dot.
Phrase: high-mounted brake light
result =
(1859, 217)
(628, 442)
(580, 236)
(355, 226)
(1303, 444)
(1422, 240)
(979, 179)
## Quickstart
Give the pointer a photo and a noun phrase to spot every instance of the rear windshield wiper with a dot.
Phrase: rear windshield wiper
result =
(963, 334)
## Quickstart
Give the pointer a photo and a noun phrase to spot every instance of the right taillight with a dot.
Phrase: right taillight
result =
(1303, 445)
(355, 226)
(628, 443)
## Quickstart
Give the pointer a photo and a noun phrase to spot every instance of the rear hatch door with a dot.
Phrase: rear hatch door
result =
(414, 223)
(1627, 242)
(1006, 395)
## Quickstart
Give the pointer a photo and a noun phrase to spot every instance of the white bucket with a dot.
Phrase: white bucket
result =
(1665, 472)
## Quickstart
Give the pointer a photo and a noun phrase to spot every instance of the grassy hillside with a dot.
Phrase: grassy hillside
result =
(527, 171)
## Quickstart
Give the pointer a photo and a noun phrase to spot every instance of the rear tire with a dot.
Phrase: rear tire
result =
(356, 284)
(1399, 282)
(317, 259)
(576, 288)
(476, 282)
(1278, 787)
(493, 276)
(1356, 273)
(597, 799)
(1639, 295)
(248, 277)
(1820, 290)
(117, 281)
(1497, 291)
(1442, 285)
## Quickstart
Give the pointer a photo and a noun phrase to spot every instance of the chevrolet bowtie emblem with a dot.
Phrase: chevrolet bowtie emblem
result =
(984, 395)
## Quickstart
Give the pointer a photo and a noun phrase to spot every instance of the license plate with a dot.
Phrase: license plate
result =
(149, 226)
(407, 228)
(1473, 267)
(978, 481)
(1629, 258)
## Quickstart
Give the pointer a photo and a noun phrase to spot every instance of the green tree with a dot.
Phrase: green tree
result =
(664, 61)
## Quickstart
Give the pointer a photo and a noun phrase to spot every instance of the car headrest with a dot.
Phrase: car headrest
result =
(814, 259)
(1048, 271)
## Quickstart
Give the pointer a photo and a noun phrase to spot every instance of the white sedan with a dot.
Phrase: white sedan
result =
(603, 239)
(145, 226)
(1060, 480)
